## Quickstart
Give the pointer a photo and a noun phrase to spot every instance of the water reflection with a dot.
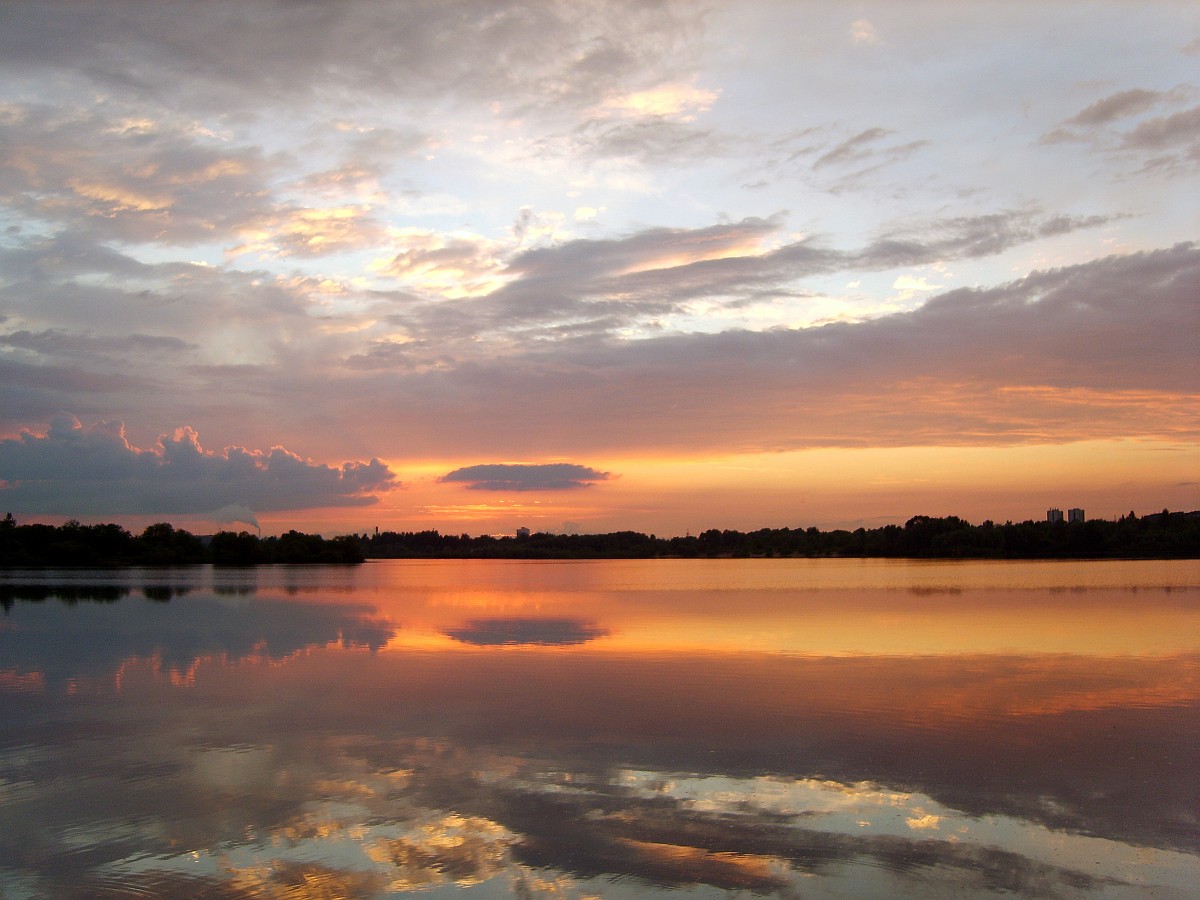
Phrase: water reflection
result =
(520, 733)
(57, 644)
(516, 630)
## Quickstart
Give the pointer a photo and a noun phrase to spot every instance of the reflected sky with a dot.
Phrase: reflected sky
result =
(595, 730)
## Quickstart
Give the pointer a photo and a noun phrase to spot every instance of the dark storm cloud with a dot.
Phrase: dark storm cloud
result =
(73, 470)
(513, 477)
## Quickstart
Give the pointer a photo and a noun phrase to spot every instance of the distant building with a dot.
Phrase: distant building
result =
(523, 532)
(1054, 515)
(1074, 515)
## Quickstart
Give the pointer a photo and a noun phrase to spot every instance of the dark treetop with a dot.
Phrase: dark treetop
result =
(73, 544)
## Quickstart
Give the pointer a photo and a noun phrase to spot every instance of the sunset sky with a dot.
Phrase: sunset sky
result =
(594, 266)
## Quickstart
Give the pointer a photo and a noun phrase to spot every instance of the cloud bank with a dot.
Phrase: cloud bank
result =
(78, 470)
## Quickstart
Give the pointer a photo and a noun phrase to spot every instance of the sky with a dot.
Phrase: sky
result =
(596, 266)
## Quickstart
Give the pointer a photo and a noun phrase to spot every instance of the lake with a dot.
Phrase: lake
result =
(665, 728)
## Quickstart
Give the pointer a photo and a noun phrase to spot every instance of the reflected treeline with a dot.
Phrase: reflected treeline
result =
(163, 593)
(1162, 535)
(70, 594)
(94, 639)
(67, 593)
(76, 545)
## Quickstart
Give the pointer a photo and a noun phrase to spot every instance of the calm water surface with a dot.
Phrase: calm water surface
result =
(789, 728)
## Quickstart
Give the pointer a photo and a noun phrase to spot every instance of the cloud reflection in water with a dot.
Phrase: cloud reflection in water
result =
(314, 768)
(518, 630)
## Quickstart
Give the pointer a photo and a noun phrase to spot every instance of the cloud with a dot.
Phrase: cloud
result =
(684, 101)
(138, 180)
(1165, 131)
(532, 477)
(1166, 144)
(863, 32)
(1059, 355)
(311, 232)
(852, 149)
(593, 285)
(1116, 106)
(88, 471)
(451, 265)
(212, 343)
(650, 141)
(536, 55)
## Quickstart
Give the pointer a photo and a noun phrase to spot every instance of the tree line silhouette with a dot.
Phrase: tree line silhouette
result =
(1158, 535)
(73, 544)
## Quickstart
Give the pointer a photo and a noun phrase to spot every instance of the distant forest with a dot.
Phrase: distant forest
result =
(1159, 535)
(73, 544)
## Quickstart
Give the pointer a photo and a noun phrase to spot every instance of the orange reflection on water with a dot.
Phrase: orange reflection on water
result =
(806, 607)
(12, 680)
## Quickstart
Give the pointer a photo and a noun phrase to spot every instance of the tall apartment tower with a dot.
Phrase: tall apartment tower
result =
(1054, 515)
(1074, 515)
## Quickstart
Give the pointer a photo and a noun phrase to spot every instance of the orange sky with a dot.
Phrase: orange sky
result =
(829, 488)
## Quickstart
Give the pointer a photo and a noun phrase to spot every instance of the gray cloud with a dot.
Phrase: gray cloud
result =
(851, 150)
(227, 57)
(1058, 355)
(965, 237)
(532, 477)
(73, 470)
(551, 336)
(1116, 106)
(1167, 144)
(590, 287)
(1165, 131)
(650, 140)
(129, 177)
